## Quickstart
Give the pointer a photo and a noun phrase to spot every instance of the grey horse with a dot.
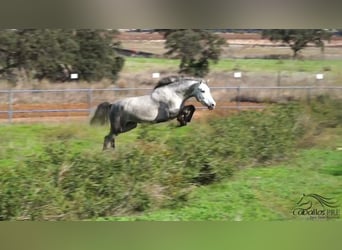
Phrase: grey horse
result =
(165, 103)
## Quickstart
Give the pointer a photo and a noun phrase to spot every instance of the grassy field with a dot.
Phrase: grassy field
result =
(264, 192)
(252, 167)
(259, 194)
(260, 72)
(137, 72)
(135, 65)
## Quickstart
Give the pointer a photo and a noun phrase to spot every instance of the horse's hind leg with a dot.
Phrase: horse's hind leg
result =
(129, 126)
(109, 141)
(115, 129)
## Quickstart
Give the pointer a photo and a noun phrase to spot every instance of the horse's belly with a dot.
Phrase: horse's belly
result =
(143, 109)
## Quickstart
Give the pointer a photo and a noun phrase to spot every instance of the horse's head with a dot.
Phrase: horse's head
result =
(203, 95)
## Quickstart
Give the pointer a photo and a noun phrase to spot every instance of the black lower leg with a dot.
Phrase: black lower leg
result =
(191, 109)
(180, 119)
(112, 143)
(108, 140)
(185, 115)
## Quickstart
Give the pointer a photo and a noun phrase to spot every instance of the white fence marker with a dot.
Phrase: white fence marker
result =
(155, 75)
(319, 76)
(237, 74)
(73, 76)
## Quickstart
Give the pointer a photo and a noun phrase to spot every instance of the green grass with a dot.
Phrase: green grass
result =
(254, 65)
(24, 140)
(261, 170)
(258, 194)
(138, 65)
(277, 65)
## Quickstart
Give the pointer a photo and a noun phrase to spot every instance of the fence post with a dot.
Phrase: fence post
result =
(238, 99)
(308, 94)
(10, 106)
(90, 100)
(278, 84)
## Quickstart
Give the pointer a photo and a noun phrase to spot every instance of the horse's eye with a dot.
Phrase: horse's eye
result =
(202, 90)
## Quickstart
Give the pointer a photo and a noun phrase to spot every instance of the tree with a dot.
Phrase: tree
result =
(38, 53)
(298, 39)
(195, 48)
(96, 58)
(54, 53)
(8, 60)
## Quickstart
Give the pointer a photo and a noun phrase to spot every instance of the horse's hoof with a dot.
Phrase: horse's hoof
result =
(106, 149)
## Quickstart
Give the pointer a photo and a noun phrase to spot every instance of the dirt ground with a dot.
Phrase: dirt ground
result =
(67, 115)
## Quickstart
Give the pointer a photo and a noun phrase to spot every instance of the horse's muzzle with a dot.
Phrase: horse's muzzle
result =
(211, 107)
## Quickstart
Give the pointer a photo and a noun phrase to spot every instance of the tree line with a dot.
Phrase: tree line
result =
(54, 54)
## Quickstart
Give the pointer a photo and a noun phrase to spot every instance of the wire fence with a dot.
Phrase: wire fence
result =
(39, 103)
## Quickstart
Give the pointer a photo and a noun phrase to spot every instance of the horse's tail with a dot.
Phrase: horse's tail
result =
(101, 116)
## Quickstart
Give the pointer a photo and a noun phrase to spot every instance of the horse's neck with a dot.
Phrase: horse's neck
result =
(183, 91)
(174, 96)
(186, 90)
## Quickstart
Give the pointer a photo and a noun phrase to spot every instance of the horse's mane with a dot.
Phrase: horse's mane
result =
(171, 79)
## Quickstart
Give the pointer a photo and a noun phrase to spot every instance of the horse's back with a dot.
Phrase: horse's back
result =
(137, 109)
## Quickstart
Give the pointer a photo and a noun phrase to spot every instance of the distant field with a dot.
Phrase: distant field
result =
(233, 58)
(252, 47)
(137, 73)
(134, 65)
(255, 72)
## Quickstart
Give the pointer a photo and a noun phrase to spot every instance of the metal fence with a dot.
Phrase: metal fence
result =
(80, 102)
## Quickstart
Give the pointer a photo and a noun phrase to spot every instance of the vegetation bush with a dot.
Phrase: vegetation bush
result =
(64, 182)
(323, 112)
(326, 111)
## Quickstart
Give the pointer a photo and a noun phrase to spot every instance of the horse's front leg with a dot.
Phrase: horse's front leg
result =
(190, 111)
(186, 114)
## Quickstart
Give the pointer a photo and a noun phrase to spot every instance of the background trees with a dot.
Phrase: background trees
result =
(298, 39)
(96, 58)
(53, 54)
(195, 48)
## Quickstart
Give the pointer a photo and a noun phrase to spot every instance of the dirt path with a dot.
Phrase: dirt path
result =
(80, 111)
